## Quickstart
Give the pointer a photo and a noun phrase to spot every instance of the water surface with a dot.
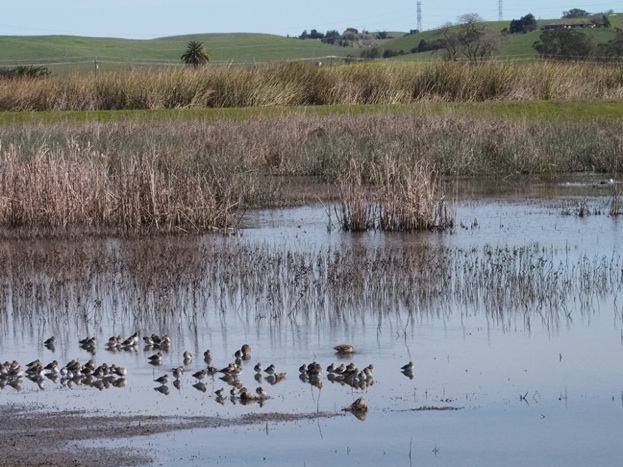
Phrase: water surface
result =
(512, 322)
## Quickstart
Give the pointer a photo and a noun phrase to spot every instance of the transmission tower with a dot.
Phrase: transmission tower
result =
(419, 16)
(500, 11)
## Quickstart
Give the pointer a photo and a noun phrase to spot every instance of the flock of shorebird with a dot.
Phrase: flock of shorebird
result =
(104, 375)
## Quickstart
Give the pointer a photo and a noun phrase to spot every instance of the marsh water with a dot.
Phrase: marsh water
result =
(513, 322)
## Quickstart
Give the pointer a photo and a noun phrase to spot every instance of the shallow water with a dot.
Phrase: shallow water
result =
(529, 353)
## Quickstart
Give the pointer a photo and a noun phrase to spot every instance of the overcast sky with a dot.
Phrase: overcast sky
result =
(146, 19)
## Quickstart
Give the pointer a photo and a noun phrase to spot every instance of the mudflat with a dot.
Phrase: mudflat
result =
(36, 437)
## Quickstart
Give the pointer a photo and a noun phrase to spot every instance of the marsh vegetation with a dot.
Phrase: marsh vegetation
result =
(134, 177)
(298, 83)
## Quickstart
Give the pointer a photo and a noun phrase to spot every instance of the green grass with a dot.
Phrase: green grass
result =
(590, 110)
(78, 53)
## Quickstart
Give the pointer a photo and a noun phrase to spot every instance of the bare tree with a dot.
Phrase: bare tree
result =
(470, 38)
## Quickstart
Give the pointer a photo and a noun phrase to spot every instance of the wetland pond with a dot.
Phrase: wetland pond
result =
(513, 323)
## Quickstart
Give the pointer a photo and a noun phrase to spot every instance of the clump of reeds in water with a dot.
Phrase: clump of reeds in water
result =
(410, 198)
(400, 199)
(356, 210)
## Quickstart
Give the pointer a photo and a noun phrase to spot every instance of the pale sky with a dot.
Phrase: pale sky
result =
(147, 19)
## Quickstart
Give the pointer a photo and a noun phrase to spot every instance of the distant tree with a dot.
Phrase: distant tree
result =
(313, 34)
(381, 35)
(600, 21)
(370, 54)
(614, 47)
(575, 13)
(350, 34)
(564, 44)
(426, 46)
(22, 71)
(388, 53)
(523, 25)
(470, 39)
(413, 31)
(331, 37)
(195, 54)
(304, 35)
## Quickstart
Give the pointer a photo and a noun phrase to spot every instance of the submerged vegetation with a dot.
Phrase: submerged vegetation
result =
(511, 285)
(190, 176)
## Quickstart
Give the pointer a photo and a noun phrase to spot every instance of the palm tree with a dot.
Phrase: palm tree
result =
(195, 54)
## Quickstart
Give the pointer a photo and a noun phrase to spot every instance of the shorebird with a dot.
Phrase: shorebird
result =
(261, 392)
(258, 368)
(220, 392)
(156, 359)
(178, 372)
(407, 367)
(130, 341)
(200, 374)
(163, 389)
(163, 379)
(113, 342)
(360, 405)
(344, 349)
(118, 370)
(207, 357)
(149, 340)
(188, 357)
(246, 350)
(50, 342)
(52, 366)
(200, 386)
(314, 369)
(270, 369)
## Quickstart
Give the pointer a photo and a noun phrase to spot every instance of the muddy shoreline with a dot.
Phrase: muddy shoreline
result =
(38, 437)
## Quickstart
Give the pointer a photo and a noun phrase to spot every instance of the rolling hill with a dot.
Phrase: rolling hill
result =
(74, 53)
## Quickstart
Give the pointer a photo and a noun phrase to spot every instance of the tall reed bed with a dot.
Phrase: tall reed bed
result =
(302, 84)
(76, 186)
(181, 176)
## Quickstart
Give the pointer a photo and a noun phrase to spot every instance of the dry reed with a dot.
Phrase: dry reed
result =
(182, 176)
(400, 198)
(302, 84)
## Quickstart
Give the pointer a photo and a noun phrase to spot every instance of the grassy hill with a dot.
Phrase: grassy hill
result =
(511, 45)
(74, 53)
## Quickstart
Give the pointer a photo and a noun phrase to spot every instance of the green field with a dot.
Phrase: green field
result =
(514, 46)
(73, 53)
